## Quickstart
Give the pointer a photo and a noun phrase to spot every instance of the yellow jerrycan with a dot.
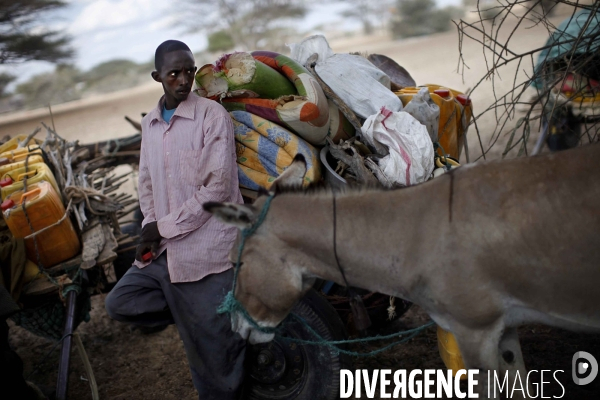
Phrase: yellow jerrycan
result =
(456, 111)
(44, 209)
(17, 158)
(449, 351)
(14, 180)
(12, 143)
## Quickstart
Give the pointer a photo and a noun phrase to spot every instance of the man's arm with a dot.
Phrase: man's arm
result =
(145, 189)
(218, 161)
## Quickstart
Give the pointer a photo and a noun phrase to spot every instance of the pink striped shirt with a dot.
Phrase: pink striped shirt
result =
(183, 164)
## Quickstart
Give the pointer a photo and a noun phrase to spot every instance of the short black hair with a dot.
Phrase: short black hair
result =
(167, 47)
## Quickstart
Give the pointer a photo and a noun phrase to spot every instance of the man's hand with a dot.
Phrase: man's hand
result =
(150, 233)
(144, 248)
(149, 241)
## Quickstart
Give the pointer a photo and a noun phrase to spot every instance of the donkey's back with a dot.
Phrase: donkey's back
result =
(528, 233)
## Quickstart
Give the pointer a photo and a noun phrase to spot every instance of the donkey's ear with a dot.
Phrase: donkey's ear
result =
(239, 215)
(292, 178)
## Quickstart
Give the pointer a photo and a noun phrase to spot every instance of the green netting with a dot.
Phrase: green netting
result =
(48, 320)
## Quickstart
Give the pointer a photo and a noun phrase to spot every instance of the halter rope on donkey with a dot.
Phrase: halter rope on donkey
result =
(230, 306)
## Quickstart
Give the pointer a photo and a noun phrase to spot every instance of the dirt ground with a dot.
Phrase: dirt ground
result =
(130, 365)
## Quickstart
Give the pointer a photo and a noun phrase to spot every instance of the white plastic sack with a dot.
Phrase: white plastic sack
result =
(410, 159)
(361, 85)
(302, 51)
(424, 109)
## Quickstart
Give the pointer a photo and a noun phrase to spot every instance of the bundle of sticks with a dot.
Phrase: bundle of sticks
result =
(89, 183)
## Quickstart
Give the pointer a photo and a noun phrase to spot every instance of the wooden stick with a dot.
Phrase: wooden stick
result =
(87, 366)
(126, 249)
(135, 124)
(28, 138)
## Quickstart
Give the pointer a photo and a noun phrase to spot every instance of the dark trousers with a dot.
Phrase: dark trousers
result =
(215, 353)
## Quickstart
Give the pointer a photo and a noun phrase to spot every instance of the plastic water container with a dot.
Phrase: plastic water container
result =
(31, 154)
(14, 142)
(11, 154)
(21, 154)
(466, 109)
(34, 173)
(426, 111)
(44, 208)
(450, 352)
(454, 116)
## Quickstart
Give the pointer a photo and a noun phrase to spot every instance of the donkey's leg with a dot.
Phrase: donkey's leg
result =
(511, 363)
(479, 349)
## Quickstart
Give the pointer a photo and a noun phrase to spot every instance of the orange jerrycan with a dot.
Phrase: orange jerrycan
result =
(455, 115)
(14, 180)
(44, 209)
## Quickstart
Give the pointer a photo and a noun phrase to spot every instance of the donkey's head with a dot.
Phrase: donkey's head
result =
(269, 282)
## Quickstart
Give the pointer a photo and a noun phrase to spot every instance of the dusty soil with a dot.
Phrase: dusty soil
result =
(130, 365)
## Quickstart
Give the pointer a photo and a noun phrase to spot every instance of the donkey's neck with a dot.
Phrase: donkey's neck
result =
(465, 226)
(378, 233)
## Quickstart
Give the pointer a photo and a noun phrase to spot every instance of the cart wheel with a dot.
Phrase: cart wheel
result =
(284, 370)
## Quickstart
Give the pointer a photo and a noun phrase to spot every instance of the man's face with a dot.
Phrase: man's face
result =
(176, 76)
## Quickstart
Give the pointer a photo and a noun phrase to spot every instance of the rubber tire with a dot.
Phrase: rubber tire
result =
(320, 380)
(568, 127)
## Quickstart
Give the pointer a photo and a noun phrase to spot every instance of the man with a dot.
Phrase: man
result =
(187, 158)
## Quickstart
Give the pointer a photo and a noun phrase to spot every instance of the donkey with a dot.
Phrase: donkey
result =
(482, 249)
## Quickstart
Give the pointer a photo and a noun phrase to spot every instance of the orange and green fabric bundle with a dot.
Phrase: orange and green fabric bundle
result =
(277, 88)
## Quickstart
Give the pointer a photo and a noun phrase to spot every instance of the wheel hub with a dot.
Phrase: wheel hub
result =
(277, 367)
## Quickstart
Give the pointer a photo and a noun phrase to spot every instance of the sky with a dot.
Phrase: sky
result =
(104, 30)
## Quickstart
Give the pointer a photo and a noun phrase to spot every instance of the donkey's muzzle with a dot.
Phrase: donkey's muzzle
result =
(242, 326)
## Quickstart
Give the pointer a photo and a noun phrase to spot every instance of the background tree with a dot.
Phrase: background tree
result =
(251, 24)
(220, 41)
(5, 80)
(22, 36)
(422, 17)
(64, 84)
(113, 75)
(370, 13)
(553, 85)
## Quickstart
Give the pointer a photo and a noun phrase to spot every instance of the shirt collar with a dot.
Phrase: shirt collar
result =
(185, 109)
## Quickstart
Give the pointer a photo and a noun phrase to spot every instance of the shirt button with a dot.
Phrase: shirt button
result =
(169, 175)
(167, 132)
(167, 153)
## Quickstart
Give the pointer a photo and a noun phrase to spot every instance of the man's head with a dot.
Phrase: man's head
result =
(175, 69)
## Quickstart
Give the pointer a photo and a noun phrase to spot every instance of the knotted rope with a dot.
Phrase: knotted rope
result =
(231, 305)
(79, 194)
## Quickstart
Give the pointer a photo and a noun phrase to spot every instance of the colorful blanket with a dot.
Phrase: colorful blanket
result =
(308, 114)
(264, 149)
